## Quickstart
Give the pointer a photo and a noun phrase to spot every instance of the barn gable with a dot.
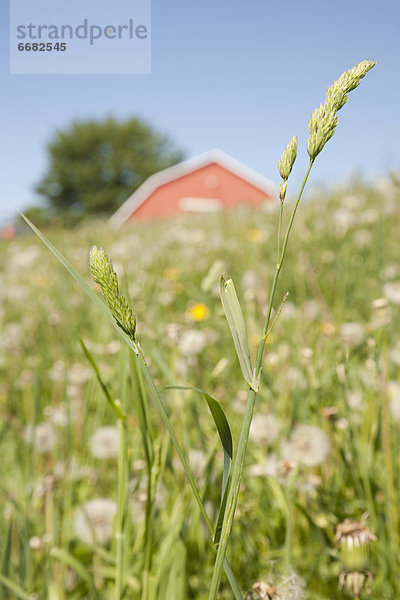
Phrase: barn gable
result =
(208, 182)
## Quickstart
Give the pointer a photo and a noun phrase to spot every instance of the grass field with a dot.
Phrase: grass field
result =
(324, 443)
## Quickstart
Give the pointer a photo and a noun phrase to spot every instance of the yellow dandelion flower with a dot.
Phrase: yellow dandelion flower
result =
(41, 281)
(255, 235)
(171, 273)
(198, 312)
(254, 339)
(327, 328)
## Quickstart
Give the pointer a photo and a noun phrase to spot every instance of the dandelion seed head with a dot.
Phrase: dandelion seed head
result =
(307, 355)
(67, 470)
(343, 219)
(35, 543)
(271, 467)
(197, 461)
(293, 378)
(41, 437)
(362, 238)
(139, 498)
(93, 522)
(104, 443)
(308, 445)
(391, 291)
(351, 334)
(75, 394)
(250, 280)
(287, 588)
(78, 374)
(26, 378)
(311, 310)
(23, 258)
(381, 313)
(353, 202)
(290, 311)
(11, 337)
(272, 360)
(57, 414)
(264, 429)
(71, 580)
(192, 342)
(395, 354)
(17, 293)
(394, 395)
(57, 371)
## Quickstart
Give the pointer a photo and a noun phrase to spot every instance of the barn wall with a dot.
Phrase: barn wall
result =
(211, 181)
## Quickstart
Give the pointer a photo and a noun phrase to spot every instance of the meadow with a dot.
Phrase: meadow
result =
(325, 434)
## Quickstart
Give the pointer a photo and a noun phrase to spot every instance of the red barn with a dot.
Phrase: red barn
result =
(206, 183)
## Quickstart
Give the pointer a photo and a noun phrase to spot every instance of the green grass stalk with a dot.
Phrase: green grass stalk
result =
(147, 440)
(279, 230)
(244, 434)
(121, 510)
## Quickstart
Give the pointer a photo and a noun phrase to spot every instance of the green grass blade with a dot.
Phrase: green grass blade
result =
(14, 588)
(111, 400)
(218, 415)
(225, 435)
(234, 315)
(6, 558)
(82, 283)
(221, 513)
(70, 560)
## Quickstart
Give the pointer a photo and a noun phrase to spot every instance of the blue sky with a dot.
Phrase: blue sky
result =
(240, 76)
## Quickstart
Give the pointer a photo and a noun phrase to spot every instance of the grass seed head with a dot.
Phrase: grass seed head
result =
(102, 273)
(286, 162)
(322, 125)
(323, 121)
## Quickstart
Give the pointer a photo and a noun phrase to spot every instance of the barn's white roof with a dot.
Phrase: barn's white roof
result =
(183, 168)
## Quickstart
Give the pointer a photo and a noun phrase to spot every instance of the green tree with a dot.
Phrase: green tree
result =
(95, 166)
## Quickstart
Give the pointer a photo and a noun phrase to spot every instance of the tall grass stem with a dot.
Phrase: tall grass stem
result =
(244, 434)
(121, 509)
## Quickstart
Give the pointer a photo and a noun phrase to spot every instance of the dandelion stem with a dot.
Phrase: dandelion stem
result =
(244, 433)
